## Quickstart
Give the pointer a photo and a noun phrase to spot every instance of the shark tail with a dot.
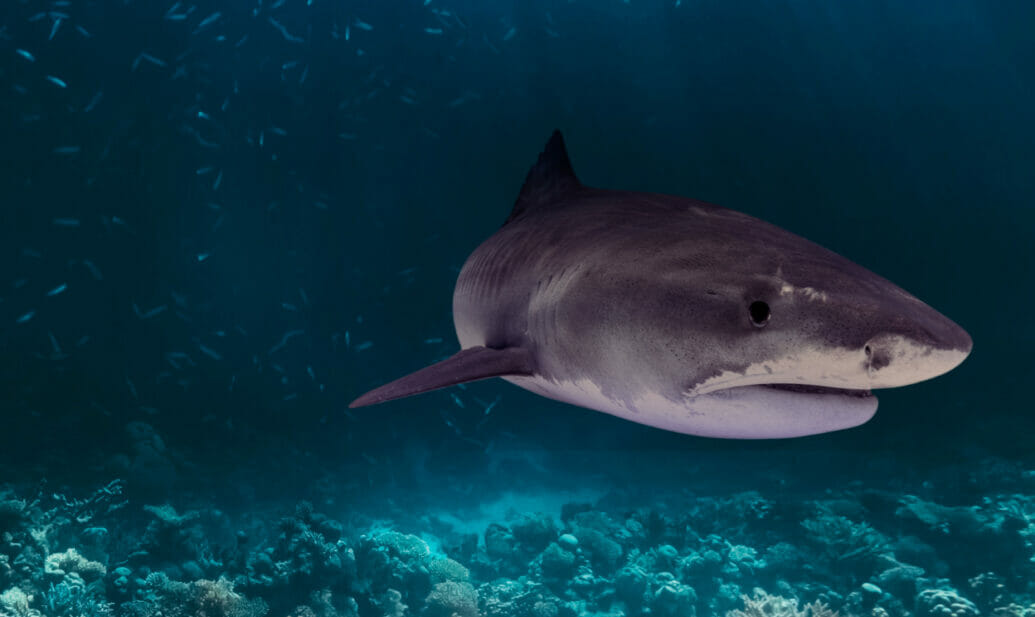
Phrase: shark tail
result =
(469, 364)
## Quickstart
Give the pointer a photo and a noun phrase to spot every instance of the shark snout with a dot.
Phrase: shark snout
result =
(925, 349)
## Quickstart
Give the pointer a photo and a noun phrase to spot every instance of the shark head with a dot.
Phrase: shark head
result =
(785, 338)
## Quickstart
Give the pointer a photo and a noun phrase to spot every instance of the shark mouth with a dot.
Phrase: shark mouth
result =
(776, 410)
(809, 389)
(805, 390)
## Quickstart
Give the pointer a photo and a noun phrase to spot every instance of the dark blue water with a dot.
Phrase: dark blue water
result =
(221, 222)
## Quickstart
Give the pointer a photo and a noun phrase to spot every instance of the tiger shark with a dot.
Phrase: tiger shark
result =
(681, 315)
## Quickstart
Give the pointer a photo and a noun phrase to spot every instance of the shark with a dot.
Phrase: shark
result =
(681, 315)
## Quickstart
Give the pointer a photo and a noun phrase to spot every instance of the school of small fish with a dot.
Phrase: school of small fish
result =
(235, 82)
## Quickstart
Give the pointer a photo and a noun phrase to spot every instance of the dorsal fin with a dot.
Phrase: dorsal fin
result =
(549, 179)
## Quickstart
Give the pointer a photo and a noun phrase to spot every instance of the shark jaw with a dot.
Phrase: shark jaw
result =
(776, 411)
(757, 411)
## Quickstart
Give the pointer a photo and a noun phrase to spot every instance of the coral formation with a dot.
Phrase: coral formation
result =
(878, 555)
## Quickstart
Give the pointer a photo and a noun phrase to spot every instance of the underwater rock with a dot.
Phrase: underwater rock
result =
(725, 598)
(309, 553)
(497, 599)
(556, 563)
(323, 603)
(161, 595)
(191, 570)
(989, 591)
(762, 604)
(402, 546)
(637, 532)
(911, 549)
(510, 598)
(570, 510)
(872, 589)
(119, 582)
(743, 560)
(631, 586)
(846, 544)
(451, 599)
(534, 531)
(674, 599)
(499, 542)
(593, 592)
(170, 537)
(743, 510)
(944, 603)
(390, 559)
(59, 566)
(784, 557)
(936, 517)
(6, 571)
(13, 512)
(73, 600)
(594, 531)
(445, 569)
(167, 515)
(568, 542)
(901, 580)
(501, 556)
(647, 527)
(862, 601)
(1014, 610)
(462, 547)
(23, 550)
(666, 556)
(391, 604)
(15, 602)
(997, 530)
(704, 564)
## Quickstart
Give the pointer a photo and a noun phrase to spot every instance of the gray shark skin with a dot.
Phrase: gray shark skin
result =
(681, 315)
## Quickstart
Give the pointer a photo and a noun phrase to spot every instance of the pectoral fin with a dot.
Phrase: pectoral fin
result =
(469, 364)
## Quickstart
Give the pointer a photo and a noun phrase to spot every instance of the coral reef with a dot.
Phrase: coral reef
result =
(849, 554)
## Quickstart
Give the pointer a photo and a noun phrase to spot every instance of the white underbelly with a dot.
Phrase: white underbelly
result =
(738, 413)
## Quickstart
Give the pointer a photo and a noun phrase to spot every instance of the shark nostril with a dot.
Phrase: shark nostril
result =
(877, 357)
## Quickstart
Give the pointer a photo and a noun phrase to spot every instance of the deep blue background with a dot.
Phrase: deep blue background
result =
(900, 134)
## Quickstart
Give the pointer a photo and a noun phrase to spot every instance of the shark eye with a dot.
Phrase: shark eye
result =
(759, 313)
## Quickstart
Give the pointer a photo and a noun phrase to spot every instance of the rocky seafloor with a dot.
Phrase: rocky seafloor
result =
(506, 542)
